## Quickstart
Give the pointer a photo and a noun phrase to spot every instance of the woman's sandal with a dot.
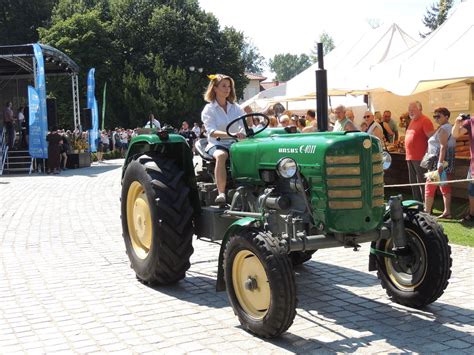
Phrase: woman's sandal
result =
(445, 216)
(468, 218)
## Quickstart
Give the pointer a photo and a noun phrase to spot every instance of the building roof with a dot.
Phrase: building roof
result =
(252, 76)
(270, 84)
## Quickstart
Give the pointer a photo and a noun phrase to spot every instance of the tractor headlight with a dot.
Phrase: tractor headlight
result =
(386, 160)
(287, 168)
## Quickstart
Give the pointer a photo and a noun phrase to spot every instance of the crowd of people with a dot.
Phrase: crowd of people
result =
(428, 149)
(63, 142)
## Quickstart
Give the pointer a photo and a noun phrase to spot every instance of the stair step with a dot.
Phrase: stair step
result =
(16, 169)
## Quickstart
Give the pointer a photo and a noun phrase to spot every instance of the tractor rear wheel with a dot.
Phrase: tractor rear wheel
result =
(156, 220)
(421, 277)
(260, 282)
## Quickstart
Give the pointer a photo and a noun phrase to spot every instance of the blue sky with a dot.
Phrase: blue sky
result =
(292, 26)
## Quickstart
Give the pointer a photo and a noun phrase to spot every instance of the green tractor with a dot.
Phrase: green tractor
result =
(289, 194)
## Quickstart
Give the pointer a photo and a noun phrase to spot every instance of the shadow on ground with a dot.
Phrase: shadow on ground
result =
(324, 298)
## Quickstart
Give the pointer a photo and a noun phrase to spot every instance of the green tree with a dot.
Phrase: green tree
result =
(253, 61)
(436, 15)
(286, 66)
(145, 49)
(328, 45)
(65, 9)
(87, 40)
(19, 20)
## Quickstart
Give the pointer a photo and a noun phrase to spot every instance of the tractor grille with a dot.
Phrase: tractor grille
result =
(377, 180)
(346, 185)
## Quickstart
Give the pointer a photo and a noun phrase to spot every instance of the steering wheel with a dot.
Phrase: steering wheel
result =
(248, 131)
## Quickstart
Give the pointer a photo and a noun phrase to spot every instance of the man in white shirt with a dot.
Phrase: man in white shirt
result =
(152, 122)
(196, 129)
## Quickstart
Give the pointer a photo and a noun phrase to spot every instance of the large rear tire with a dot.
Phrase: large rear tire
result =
(421, 278)
(260, 282)
(156, 220)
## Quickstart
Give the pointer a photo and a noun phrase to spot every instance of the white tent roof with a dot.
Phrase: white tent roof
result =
(443, 58)
(348, 65)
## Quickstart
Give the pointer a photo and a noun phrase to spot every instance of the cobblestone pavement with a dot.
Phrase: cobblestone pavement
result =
(66, 286)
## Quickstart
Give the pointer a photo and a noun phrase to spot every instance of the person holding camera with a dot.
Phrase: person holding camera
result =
(462, 125)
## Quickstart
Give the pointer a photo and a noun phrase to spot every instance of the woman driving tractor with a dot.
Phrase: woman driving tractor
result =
(216, 115)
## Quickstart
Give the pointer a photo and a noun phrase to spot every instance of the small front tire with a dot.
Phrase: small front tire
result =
(421, 278)
(260, 282)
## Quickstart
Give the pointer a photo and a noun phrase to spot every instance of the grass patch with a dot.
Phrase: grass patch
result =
(458, 231)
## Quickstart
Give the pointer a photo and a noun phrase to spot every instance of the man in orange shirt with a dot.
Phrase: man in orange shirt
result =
(416, 142)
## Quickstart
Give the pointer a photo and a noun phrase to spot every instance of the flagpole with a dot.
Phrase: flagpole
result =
(103, 105)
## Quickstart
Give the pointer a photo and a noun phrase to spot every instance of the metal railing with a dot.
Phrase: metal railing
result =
(3, 151)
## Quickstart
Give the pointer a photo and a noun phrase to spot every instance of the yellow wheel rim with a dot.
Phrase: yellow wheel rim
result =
(408, 274)
(139, 220)
(250, 283)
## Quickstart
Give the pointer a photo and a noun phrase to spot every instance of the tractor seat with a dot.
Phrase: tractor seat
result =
(200, 146)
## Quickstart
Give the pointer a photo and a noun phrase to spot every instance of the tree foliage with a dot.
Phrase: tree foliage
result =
(328, 46)
(144, 49)
(436, 15)
(253, 61)
(286, 66)
(19, 20)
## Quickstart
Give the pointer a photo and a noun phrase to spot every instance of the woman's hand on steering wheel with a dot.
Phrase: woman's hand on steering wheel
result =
(248, 131)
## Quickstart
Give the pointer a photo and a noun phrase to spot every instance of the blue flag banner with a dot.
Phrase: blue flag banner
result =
(42, 124)
(92, 104)
(35, 144)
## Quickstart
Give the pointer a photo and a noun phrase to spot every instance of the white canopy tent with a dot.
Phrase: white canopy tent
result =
(349, 64)
(441, 59)
(264, 98)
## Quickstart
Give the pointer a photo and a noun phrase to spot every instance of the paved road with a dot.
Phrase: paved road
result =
(66, 286)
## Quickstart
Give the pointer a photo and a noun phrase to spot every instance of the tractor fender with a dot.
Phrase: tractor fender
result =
(147, 142)
(171, 147)
(235, 227)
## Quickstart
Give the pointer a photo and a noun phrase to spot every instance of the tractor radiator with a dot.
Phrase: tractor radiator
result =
(349, 186)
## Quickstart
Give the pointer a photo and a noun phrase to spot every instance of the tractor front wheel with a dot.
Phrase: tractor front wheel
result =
(260, 282)
(421, 277)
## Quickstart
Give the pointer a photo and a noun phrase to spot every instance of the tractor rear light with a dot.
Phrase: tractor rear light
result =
(286, 168)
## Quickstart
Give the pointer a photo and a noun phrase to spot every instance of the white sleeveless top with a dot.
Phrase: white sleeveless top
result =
(373, 125)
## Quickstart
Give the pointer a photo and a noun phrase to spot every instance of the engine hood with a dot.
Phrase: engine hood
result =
(250, 156)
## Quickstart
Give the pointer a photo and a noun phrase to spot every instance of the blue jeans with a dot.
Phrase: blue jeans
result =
(470, 187)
